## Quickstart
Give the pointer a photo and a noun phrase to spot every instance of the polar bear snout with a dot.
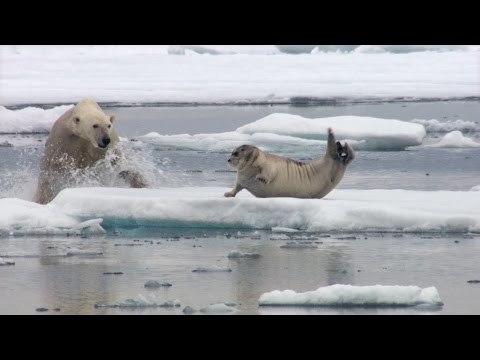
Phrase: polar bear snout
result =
(104, 142)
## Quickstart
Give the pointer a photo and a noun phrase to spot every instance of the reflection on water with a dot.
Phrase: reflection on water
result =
(44, 277)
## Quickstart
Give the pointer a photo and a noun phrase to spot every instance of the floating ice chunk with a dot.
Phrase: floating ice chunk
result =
(4, 262)
(141, 302)
(153, 284)
(434, 125)
(238, 254)
(212, 268)
(349, 295)
(454, 139)
(219, 308)
(283, 229)
(295, 245)
(6, 144)
(83, 252)
(475, 188)
(372, 133)
(188, 310)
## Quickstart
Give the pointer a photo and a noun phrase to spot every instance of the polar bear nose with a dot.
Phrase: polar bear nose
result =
(105, 141)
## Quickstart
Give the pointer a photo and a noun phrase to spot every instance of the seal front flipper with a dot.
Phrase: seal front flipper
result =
(234, 192)
(135, 179)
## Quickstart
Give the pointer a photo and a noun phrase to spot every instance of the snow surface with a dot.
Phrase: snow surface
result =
(340, 211)
(274, 130)
(142, 74)
(454, 139)
(349, 295)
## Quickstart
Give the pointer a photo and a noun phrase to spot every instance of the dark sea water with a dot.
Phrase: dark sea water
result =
(43, 277)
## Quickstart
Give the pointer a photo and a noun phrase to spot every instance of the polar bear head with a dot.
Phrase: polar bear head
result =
(89, 122)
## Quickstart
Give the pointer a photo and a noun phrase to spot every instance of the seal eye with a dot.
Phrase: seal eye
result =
(95, 126)
(235, 153)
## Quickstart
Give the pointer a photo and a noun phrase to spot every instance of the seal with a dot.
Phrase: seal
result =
(269, 175)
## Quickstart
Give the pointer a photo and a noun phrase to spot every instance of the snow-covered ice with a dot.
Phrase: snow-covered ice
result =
(343, 210)
(349, 295)
(30, 119)
(24, 217)
(369, 132)
(143, 74)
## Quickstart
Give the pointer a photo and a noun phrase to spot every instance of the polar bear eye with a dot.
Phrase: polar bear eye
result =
(109, 126)
(95, 126)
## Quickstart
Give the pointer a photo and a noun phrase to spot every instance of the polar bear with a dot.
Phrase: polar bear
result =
(78, 139)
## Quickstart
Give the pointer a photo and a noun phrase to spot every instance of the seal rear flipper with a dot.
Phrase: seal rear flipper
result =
(331, 148)
(344, 153)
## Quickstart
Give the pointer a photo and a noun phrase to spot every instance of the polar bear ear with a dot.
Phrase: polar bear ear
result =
(76, 119)
(112, 119)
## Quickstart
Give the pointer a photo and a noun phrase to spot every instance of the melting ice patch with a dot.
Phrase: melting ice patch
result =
(276, 131)
(30, 119)
(349, 295)
(205, 207)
